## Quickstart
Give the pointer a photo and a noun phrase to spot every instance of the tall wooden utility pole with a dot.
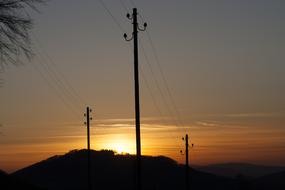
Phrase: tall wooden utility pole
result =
(134, 37)
(87, 123)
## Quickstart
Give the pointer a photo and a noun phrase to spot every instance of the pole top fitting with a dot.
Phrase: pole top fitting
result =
(126, 37)
(144, 27)
(129, 16)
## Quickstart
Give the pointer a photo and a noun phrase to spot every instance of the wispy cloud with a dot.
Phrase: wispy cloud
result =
(144, 126)
(132, 120)
(114, 125)
(260, 114)
(207, 124)
(247, 114)
(215, 125)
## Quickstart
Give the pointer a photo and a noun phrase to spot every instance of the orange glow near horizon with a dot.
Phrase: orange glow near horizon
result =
(119, 143)
(211, 146)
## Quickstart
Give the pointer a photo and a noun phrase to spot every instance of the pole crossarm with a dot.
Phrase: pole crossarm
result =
(131, 17)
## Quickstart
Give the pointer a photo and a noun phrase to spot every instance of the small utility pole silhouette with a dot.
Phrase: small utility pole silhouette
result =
(87, 123)
(137, 101)
(187, 184)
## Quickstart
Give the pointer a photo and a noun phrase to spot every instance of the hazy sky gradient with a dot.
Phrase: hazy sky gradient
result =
(223, 61)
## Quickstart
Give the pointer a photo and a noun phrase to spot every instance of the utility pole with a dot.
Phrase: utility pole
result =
(187, 184)
(134, 37)
(186, 163)
(87, 123)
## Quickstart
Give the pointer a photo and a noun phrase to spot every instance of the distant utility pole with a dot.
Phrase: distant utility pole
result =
(187, 184)
(186, 163)
(87, 123)
(134, 37)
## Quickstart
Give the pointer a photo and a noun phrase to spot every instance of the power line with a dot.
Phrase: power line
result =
(124, 5)
(176, 118)
(57, 81)
(159, 88)
(156, 105)
(112, 16)
(121, 28)
(161, 72)
(54, 81)
(59, 75)
(154, 99)
(164, 79)
(57, 92)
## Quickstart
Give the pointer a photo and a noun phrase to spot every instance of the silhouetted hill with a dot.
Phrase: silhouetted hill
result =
(110, 171)
(8, 182)
(234, 169)
(274, 181)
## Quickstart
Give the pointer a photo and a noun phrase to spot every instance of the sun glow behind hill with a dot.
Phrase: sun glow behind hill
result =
(120, 143)
(215, 142)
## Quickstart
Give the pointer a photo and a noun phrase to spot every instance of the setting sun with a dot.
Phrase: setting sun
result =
(118, 143)
(121, 148)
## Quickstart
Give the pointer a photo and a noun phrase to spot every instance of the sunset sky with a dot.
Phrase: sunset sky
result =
(223, 61)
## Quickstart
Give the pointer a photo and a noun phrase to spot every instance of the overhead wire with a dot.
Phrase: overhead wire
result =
(178, 115)
(153, 75)
(164, 80)
(154, 100)
(124, 5)
(158, 86)
(111, 15)
(170, 113)
(56, 90)
(122, 30)
(59, 75)
(57, 81)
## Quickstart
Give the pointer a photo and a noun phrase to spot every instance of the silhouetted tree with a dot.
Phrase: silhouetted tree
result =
(15, 24)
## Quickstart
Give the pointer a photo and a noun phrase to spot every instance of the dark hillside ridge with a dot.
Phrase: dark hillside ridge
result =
(235, 169)
(8, 182)
(274, 181)
(111, 171)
